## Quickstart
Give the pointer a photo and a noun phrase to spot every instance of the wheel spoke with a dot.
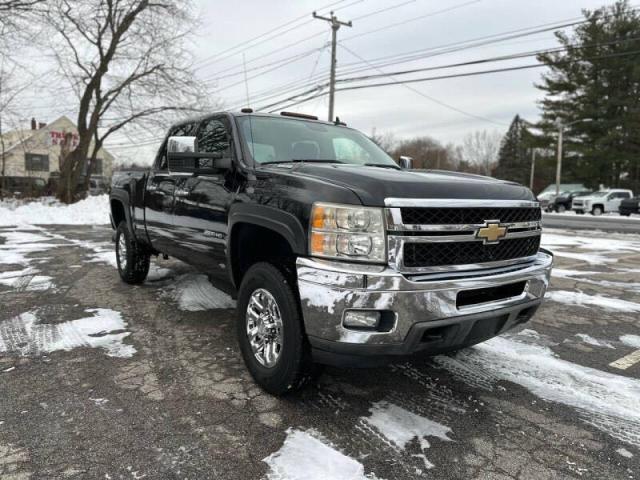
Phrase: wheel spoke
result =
(264, 327)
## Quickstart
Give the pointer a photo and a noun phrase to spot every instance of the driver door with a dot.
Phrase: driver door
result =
(160, 199)
(203, 200)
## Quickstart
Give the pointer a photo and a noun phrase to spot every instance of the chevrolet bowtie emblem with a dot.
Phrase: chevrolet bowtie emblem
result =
(491, 232)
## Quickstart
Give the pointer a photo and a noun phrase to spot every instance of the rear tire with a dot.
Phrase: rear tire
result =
(561, 209)
(288, 366)
(132, 259)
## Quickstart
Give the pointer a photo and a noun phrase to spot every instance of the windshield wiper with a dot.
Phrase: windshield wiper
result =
(382, 165)
(301, 160)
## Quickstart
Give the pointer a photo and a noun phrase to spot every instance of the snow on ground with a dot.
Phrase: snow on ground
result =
(104, 329)
(401, 426)
(581, 299)
(607, 401)
(624, 452)
(306, 456)
(631, 340)
(567, 273)
(570, 213)
(26, 279)
(18, 244)
(90, 211)
(599, 245)
(194, 292)
(599, 241)
(589, 340)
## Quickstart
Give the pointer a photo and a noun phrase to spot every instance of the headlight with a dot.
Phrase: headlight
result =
(347, 232)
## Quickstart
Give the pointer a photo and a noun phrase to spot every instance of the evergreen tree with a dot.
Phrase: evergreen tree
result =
(596, 76)
(514, 162)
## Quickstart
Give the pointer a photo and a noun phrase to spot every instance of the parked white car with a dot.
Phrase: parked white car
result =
(601, 202)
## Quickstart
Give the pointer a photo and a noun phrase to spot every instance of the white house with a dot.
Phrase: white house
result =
(36, 152)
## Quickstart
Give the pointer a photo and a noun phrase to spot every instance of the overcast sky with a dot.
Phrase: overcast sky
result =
(495, 98)
(293, 50)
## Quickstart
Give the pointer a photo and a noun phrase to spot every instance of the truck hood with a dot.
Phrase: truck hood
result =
(373, 184)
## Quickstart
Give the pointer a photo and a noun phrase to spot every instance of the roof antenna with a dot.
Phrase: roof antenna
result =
(246, 81)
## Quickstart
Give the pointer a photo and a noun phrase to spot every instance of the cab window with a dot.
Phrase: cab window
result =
(214, 136)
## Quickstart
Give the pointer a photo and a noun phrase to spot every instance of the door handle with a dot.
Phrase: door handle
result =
(180, 192)
(152, 188)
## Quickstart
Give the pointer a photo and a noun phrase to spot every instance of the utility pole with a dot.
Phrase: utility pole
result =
(533, 168)
(561, 126)
(246, 81)
(559, 163)
(335, 26)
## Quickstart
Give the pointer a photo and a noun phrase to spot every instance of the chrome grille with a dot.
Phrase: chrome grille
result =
(449, 216)
(464, 253)
(441, 235)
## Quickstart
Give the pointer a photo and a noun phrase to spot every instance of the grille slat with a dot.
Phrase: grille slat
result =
(459, 216)
(463, 253)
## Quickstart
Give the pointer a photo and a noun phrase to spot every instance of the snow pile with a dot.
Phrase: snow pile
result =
(90, 211)
(194, 293)
(401, 426)
(305, 457)
(104, 329)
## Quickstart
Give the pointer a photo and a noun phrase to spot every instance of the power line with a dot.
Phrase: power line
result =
(315, 35)
(501, 58)
(431, 14)
(318, 90)
(428, 97)
(273, 30)
(459, 45)
(482, 72)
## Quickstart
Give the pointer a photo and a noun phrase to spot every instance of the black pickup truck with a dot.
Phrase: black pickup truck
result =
(336, 255)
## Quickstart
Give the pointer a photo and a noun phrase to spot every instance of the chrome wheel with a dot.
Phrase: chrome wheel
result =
(122, 252)
(264, 327)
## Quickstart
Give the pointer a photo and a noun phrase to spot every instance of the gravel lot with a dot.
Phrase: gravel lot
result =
(102, 380)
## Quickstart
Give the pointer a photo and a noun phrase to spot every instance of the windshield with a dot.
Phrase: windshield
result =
(599, 194)
(274, 139)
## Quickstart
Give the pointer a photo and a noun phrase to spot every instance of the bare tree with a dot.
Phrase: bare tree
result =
(386, 141)
(16, 19)
(129, 66)
(481, 148)
(14, 80)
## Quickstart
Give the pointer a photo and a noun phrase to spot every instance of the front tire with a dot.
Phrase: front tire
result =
(270, 333)
(133, 261)
(597, 211)
(561, 209)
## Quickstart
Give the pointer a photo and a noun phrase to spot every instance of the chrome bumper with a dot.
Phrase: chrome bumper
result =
(328, 289)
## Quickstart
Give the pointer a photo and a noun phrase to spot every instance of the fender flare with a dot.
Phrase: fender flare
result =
(281, 222)
(123, 197)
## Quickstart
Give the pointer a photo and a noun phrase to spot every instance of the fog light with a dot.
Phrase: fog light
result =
(361, 319)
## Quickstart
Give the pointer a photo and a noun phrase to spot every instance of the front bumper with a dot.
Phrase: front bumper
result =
(427, 315)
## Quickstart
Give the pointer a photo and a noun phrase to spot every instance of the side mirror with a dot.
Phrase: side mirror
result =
(182, 156)
(406, 163)
(181, 145)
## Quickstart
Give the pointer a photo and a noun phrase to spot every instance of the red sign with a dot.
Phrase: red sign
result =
(57, 138)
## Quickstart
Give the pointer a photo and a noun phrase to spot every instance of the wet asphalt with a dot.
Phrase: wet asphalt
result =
(184, 407)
